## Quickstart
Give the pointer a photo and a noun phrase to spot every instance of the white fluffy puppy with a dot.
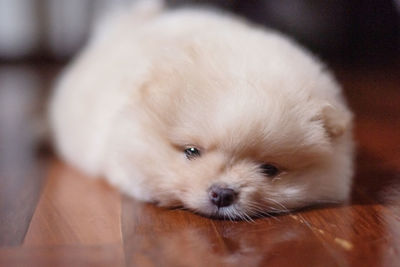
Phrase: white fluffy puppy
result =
(199, 109)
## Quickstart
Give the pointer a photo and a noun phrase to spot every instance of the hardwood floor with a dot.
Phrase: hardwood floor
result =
(52, 215)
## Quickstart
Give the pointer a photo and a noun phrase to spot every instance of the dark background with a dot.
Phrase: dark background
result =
(341, 31)
(350, 32)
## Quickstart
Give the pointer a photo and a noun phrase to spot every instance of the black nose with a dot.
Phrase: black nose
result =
(221, 196)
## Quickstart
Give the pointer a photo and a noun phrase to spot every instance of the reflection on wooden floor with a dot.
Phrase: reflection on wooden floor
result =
(52, 215)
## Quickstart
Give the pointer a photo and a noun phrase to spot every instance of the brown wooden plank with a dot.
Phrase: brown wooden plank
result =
(155, 236)
(93, 256)
(75, 210)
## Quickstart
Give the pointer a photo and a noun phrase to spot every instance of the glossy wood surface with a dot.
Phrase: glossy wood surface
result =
(53, 215)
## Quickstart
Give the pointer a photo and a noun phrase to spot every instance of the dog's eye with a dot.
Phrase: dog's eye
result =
(269, 170)
(192, 152)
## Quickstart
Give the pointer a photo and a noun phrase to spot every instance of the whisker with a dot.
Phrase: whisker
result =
(250, 220)
(229, 215)
(285, 209)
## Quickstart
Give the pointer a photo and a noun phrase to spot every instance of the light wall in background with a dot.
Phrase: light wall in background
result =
(56, 26)
(19, 31)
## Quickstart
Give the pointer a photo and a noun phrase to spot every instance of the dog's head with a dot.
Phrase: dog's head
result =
(234, 141)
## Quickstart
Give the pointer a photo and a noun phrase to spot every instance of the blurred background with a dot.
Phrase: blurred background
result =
(340, 31)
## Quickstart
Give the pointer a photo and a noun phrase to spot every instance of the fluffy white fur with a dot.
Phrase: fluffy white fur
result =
(151, 82)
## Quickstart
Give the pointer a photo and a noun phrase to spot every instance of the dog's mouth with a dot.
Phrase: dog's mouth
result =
(237, 212)
(232, 213)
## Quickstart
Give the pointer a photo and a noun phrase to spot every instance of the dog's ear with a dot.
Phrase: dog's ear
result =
(335, 121)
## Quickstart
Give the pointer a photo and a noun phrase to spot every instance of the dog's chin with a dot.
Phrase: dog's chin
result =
(233, 212)
(222, 213)
(236, 212)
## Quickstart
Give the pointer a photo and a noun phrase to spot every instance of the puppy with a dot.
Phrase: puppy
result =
(199, 109)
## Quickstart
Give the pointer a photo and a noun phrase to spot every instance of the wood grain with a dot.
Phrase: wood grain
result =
(60, 256)
(154, 237)
(75, 210)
